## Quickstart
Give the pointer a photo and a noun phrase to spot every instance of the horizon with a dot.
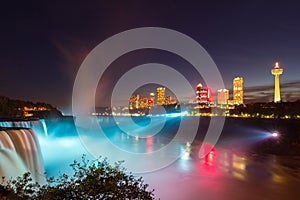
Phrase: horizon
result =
(290, 92)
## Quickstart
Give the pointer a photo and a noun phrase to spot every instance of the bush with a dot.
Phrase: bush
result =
(90, 180)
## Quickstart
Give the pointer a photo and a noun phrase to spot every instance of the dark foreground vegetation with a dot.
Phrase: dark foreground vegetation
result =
(17, 109)
(90, 180)
(282, 110)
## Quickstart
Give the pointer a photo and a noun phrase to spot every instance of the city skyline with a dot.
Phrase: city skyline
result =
(45, 43)
(150, 99)
(203, 95)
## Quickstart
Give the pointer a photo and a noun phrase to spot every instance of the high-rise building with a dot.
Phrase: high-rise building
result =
(144, 103)
(203, 95)
(223, 96)
(151, 100)
(160, 95)
(238, 90)
(198, 93)
(169, 100)
(134, 101)
(277, 71)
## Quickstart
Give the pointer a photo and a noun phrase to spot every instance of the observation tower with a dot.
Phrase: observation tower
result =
(277, 71)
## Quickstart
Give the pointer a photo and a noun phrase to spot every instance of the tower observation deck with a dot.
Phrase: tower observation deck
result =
(277, 71)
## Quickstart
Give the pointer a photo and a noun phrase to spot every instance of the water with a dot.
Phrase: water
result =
(230, 171)
(11, 164)
(228, 175)
(38, 126)
(20, 152)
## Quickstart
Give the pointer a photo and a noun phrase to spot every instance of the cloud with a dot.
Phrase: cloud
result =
(290, 91)
(72, 51)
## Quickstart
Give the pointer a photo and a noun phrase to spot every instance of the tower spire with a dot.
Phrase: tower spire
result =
(277, 71)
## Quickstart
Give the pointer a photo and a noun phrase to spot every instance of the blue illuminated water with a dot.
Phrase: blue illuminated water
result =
(228, 172)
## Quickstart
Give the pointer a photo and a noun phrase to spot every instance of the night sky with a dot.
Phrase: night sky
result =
(44, 43)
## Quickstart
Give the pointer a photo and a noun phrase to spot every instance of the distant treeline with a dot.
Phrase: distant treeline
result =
(14, 109)
(276, 110)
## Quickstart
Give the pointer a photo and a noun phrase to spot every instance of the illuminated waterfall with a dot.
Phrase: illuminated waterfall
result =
(19, 124)
(44, 126)
(38, 126)
(19, 153)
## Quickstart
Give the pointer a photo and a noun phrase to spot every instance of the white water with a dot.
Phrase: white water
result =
(44, 127)
(38, 126)
(11, 164)
(20, 152)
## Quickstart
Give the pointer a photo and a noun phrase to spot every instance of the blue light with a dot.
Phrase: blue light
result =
(173, 115)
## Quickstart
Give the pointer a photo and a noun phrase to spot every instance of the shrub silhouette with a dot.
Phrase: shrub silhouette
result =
(90, 180)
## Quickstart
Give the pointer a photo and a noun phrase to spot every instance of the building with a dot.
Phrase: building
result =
(168, 100)
(134, 102)
(277, 71)
(238, 90)
(152, 99)
(160, 95)
(144, 103)
(223, 96)
(203, 95)
(198, 91)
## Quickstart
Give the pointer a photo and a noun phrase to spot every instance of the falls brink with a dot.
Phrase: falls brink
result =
(19, 153)
(38, 126)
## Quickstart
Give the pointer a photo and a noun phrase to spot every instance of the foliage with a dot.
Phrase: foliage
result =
(20, 188)
(9, 108)
(276, 110)
(13, 109)
(90, 180)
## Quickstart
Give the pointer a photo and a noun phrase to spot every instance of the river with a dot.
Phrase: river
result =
(230, 171)
(233, 168)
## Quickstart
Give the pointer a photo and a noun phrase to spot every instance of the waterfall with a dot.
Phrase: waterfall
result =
(39, 126)
(11, 164)
(20, 152)
(44, 127)
(23, 124)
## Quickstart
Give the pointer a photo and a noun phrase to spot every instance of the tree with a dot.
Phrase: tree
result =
(90, 180)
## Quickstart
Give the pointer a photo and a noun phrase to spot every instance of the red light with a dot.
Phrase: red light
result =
(149, 146)
(150, 101)
(213, 151)
(210, 157)
(204, 95)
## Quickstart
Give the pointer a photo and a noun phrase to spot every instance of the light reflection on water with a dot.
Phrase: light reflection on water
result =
(222, 174)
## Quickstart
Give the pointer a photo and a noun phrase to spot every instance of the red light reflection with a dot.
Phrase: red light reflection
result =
(210, 157)
(149, 142)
